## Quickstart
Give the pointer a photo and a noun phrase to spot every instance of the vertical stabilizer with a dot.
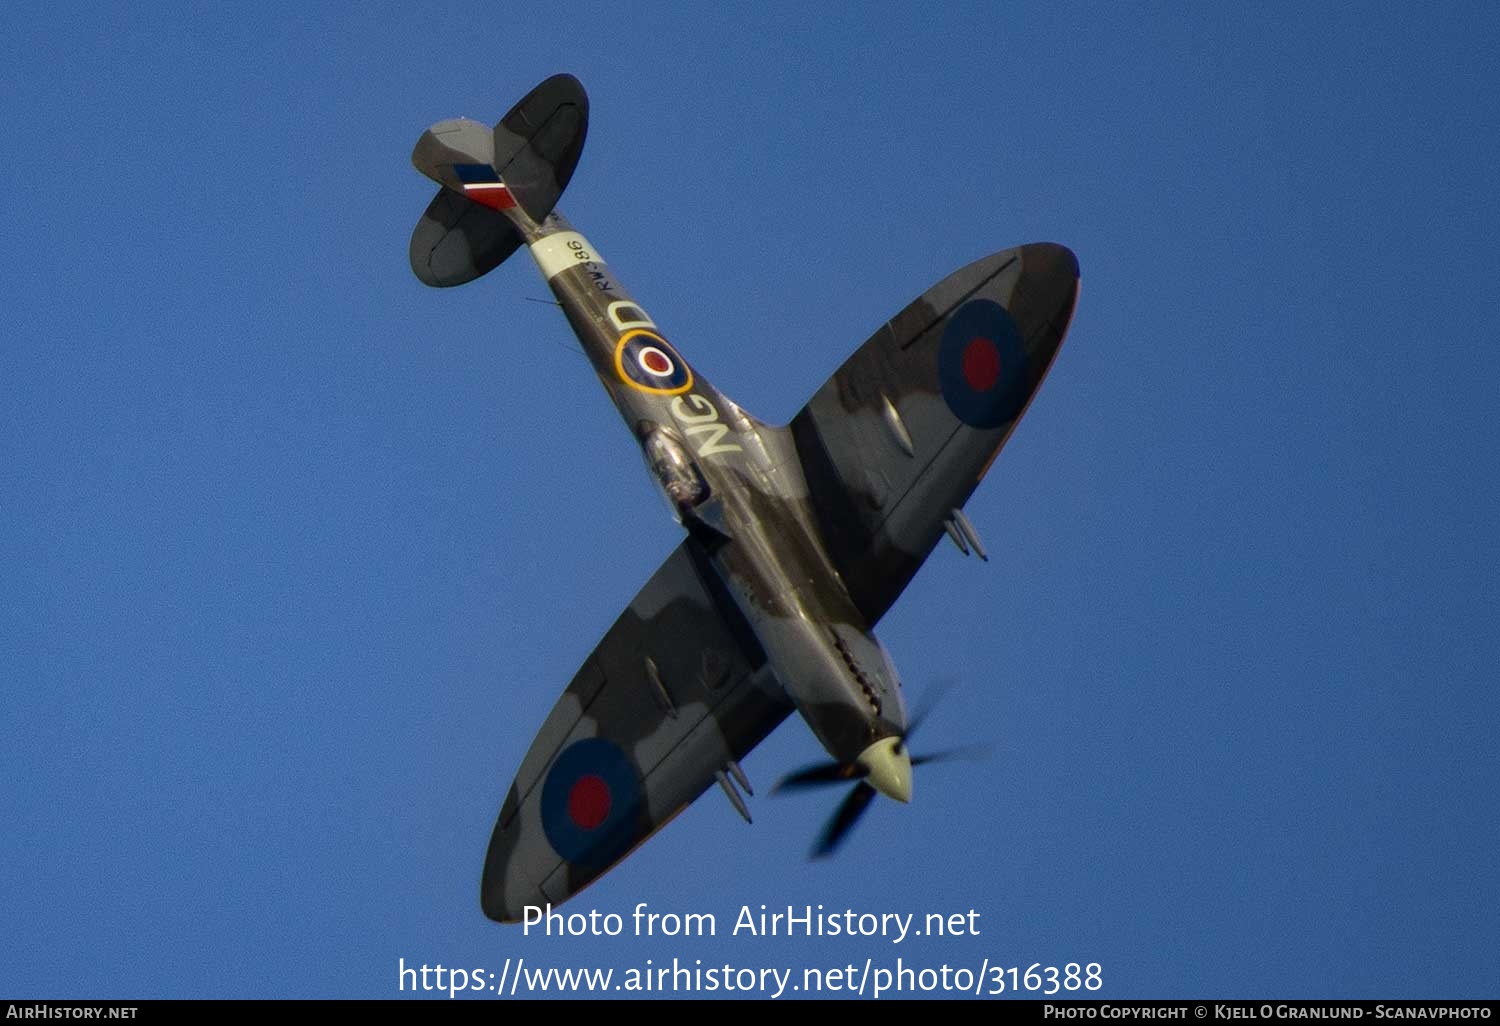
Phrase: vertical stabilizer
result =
(525, 161)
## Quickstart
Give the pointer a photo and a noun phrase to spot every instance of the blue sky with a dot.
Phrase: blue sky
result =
(298, 553)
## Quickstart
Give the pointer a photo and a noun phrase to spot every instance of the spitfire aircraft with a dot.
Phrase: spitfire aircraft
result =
(797, 538)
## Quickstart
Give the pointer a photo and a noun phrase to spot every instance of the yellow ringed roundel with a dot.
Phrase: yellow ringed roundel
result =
(647, 363)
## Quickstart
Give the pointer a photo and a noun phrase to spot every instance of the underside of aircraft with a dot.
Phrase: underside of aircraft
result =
(797, 538)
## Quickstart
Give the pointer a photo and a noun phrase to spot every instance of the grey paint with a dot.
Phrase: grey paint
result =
(806, 535)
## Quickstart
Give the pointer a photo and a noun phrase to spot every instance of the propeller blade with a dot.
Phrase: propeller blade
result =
(963, 753)
(930, 700)
(816, 776)
(863, 793)
(847, 814)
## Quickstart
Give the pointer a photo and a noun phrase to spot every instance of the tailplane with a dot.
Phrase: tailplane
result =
(525, 161)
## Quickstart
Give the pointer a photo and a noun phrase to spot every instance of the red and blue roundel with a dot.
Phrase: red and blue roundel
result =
(982, 365)
(591, 803)
(645, 361)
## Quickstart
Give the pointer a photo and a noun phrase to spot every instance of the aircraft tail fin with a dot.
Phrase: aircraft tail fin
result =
(525, 161)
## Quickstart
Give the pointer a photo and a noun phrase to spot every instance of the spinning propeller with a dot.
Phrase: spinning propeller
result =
(886, 762)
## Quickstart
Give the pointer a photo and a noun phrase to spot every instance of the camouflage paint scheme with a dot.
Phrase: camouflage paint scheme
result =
(798, 538)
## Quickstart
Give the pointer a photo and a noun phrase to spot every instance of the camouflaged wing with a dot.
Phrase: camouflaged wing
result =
(675, 690)
(901, 435)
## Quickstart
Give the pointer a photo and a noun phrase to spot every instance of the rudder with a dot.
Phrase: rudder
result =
(527, 159)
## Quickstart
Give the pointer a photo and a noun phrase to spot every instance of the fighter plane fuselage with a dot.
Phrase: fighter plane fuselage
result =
(737, 485)
(798, 538)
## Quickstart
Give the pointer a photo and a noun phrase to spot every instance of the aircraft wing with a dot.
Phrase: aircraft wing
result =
(671, 694)
(901, 435)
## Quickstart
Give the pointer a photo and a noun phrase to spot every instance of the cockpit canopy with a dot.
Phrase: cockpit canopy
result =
(673, 469)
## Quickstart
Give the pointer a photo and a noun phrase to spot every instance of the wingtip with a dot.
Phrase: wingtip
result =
(497, 903)
(1050, 257)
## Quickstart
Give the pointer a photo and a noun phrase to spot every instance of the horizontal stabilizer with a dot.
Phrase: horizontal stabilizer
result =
(526, 160)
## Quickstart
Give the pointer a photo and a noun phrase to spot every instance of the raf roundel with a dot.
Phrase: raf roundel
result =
(591, 803)
(982, 365)
(646, 362)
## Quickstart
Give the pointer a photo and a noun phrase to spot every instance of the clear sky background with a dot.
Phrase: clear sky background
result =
(296, 553)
